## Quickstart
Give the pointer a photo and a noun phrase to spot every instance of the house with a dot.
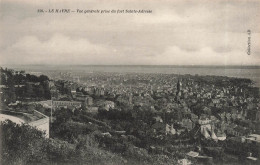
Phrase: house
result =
(204, 120)
(92, 109)
(106, 134)
(192, 154)
(163, 129)
(187, 123)
(180, 131)
(184, 162)
(120, 132)
(207, 110)
(194, 117)
(257, 115)
(251, 160)
(170, 130)
(228, 116)
(159, 128)
(237, 130)
(66, 103)
(221, 136)
(158, 119)
(253, 138)
(86, 99)
(108, 105)
(215, 101)
(213, 118)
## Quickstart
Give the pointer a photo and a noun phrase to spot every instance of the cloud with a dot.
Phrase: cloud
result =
(177, 56)
(58, 44)
(59, 48)
(176, 32)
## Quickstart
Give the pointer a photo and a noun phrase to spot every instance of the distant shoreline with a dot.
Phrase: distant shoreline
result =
(249, 72)
(147, 66)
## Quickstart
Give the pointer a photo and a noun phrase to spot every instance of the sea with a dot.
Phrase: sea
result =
(250, 72)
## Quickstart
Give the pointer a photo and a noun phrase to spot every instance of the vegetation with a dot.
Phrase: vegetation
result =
(22, 144)
(23, 86)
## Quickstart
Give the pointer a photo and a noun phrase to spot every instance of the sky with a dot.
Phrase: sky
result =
(177, 32)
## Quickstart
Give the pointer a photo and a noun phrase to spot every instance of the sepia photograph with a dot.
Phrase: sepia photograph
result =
(129, 82)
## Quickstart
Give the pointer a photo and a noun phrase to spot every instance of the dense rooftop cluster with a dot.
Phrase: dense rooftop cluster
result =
(141, 116)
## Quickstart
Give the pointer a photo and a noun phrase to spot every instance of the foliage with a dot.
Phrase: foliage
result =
(21, 144)
(21, 85)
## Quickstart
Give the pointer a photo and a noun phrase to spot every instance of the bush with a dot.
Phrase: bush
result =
(59, 151)
(21, 144)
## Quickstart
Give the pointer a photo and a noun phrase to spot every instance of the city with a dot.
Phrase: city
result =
(146, 118)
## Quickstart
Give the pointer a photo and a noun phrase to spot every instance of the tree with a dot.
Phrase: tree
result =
(63, 115)
(29, 90)
(21, 143)
(47, 93)
(43, 78)
(31, 78)
(40, 91)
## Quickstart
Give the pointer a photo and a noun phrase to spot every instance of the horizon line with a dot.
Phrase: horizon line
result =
(174, 65)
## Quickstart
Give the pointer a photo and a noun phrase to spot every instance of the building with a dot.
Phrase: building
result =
(84, 98)
(169, 129)
(92, 109)
(237, 130)
(187, 123)
(158, 119)
(253, 138)
(66, 103)
(204, 120)
(108, 105)
(89, 101)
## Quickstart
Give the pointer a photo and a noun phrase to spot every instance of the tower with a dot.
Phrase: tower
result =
(130, 98)
(179, 87)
